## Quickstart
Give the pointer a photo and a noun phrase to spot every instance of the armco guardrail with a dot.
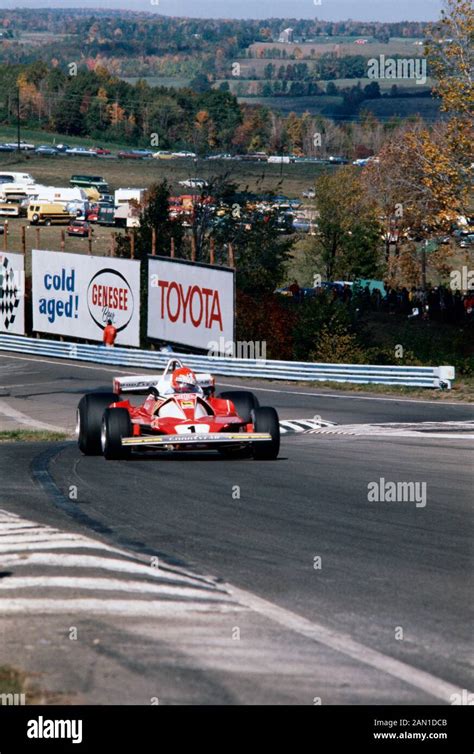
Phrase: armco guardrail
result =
(431, 377)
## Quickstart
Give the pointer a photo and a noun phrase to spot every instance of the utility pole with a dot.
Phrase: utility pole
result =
(18, 127)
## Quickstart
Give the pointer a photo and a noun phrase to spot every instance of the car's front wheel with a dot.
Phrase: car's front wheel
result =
(266, 420)
(89, 421)
(116, 424)
(244, 403)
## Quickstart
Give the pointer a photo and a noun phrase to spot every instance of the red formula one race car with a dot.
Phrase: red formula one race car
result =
(180, 412)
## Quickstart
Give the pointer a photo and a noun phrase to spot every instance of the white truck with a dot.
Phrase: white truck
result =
(124, 196)
(13, 189)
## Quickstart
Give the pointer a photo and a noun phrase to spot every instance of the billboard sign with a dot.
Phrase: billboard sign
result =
(76, 295)
(190, 304)
(12, 293)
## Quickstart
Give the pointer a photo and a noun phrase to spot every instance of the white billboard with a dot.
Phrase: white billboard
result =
(12, 293)
(190, 304)
(76, 295)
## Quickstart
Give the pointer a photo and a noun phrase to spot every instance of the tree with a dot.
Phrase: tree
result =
(154, 217)
(348, 230)
(450, 53)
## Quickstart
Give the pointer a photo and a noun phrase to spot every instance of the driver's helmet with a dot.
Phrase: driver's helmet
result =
(184, 380)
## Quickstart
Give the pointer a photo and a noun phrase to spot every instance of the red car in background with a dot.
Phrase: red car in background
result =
(79, 228)
(180, 412)
(101, 150)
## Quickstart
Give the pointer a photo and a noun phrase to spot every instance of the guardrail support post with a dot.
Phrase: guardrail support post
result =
(153, 242)
(23, 239)
(5, 236)
(172, 249)
(63, 239)
(38, 237)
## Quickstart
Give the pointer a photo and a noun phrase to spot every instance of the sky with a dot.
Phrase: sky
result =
(331, 10)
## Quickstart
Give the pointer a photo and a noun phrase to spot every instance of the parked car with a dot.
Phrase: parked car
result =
(194, 183)
(46, 150)
(222, 156)
(90, 181)
(101, 151)
(24, 146)
(80, 152)
(47, 213)
(309, 193)
(62, 147)
(79, 228)
(135, 154)
(186, 155)
(6, 148)
(106, 215)
(164, 155)
(466, 241)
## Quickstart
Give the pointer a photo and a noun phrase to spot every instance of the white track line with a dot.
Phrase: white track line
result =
(12, 413)
(110, 585)
(11, 528)
(107, 564)
(344, 644)
(53, 545)
(40, 536)
(352, 396)
(125, 608)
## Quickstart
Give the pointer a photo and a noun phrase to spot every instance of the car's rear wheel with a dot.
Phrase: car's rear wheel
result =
(89, 421)
(244, 401)
(116, 424)
(34, 219)
(266, 420)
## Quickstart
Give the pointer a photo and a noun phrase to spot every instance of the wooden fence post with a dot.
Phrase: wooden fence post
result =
(5, 236)
(153, 242)
(211, 251)
(23, 239)
(63, 239)
(231, 255)
(172, 250)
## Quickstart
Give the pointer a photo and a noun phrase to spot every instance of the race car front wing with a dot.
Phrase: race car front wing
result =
(227, 438)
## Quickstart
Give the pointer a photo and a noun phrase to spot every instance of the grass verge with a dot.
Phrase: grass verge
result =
(27, 435)
(462, 390)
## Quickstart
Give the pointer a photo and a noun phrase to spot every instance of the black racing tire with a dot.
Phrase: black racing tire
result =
(244, 401)
(116, 423)
(89, 421)
(265, 419)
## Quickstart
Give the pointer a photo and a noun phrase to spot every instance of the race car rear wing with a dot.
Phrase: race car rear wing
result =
(142, 383)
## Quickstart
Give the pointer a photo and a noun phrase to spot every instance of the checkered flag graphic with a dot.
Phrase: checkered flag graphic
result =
(9, 294)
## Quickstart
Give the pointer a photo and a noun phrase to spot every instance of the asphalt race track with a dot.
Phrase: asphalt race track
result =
(312, 593)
